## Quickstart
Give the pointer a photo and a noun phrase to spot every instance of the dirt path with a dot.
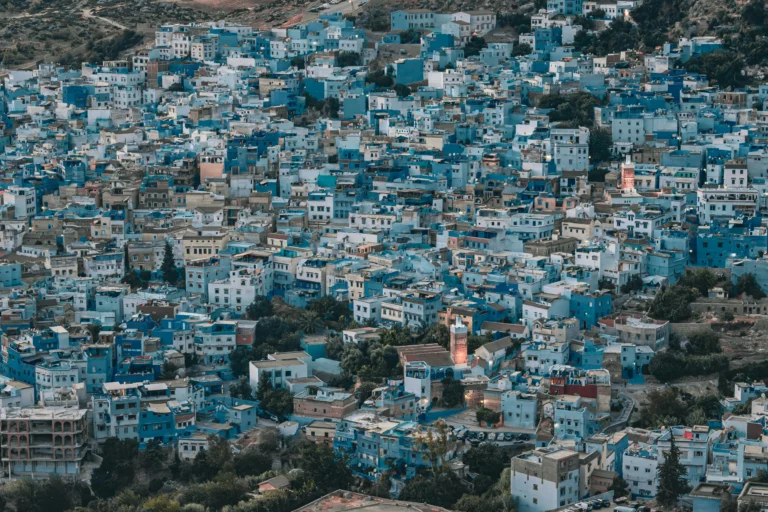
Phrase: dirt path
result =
(88, 14)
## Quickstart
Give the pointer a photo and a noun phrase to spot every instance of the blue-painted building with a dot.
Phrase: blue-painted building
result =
(408, 71)
(669, 264)
(730, 238)
(100, 366)
(588, 308)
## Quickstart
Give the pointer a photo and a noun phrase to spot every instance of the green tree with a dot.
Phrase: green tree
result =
(132, 279)
(442, 490)
(619, 36)
(436, 333)
(259, 308)
(586, 23)
(517, 20)
(346, 59)
(673, 304)
(126, 261)
(242, 389)
(521, 50)
(239, 360)
(473, 503)
(750, 506)
(672, 481)
(364, 391)
(161, 503)
(475, 341)
(600, 144)
(665, 366)
(94, 330)
(747, 284)
(728, 503)
(168, 267)
(485, 415)
(696, 417)
(252, 462)
(754, 13)
(410, 36)
(322, 466)
(723, 67)
(597, 175)
(620, 487)
(117, 467)
(402, 91)
(168, 371)
(474, 46)
(330, 309)
(453, 392)
(310, 321)
(635, 283)
(571, 110)
(436, 443)
(705, 342)
(396, 336)
(723, 385)
(276, 401)
(52, 495)
(702, 280)
(487, 459)
(352, 359)
(663, 404)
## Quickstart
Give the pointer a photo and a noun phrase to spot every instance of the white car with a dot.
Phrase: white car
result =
(492, 436)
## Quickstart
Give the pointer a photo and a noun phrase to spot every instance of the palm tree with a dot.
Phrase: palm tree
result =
(310, 322)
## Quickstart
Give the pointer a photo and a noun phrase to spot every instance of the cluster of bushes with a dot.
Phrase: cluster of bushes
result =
(518, 21)
(574, 109)
(380, 79)
(155, 480)
(668, 365)
(670, 406)
(490, 489)
(487, 416)
(699, 354)
(619, 36)
(375, 19)
(110, 48)
(674, 303)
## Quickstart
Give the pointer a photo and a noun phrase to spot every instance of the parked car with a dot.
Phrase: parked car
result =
(509, 436)
(492, 436)
(481, 436)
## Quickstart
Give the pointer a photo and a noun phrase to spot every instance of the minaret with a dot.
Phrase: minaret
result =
(628, 176)
(459, 342)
